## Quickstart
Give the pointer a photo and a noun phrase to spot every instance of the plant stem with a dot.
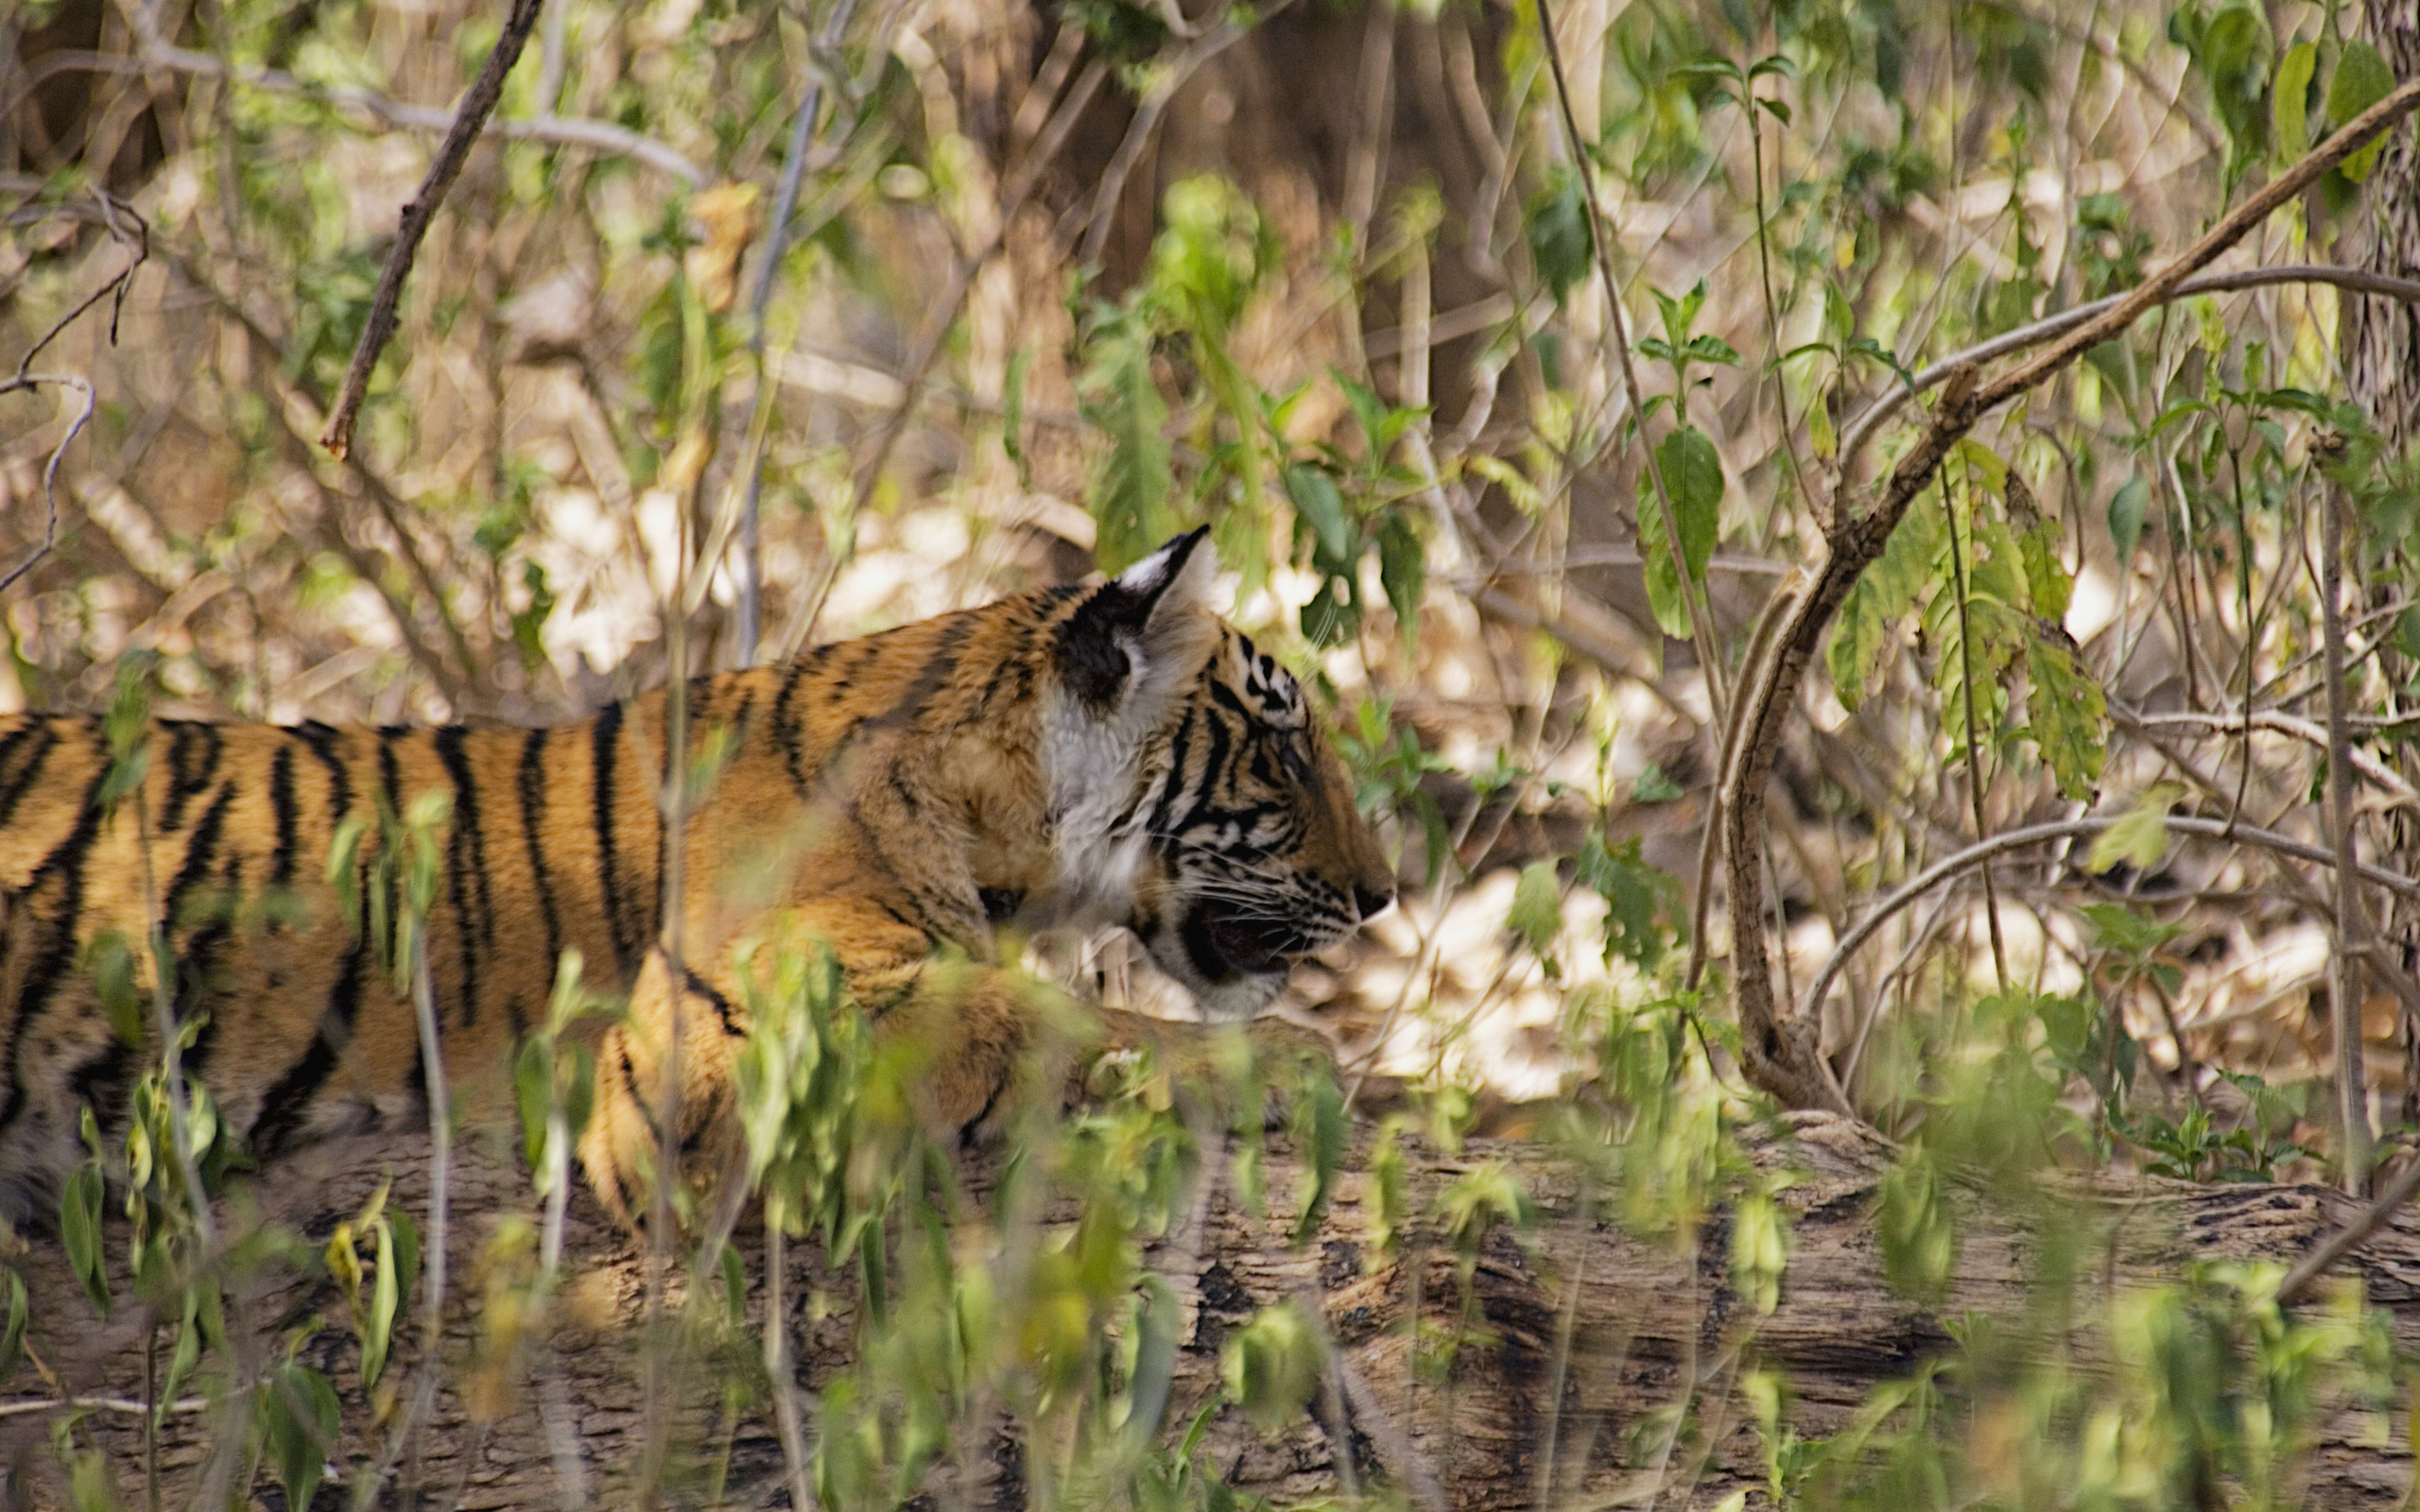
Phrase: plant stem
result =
(2344, 985)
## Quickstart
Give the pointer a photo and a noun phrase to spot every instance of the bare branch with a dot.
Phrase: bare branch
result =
(561, 130)
(1875, 415)
(1601, 242)
(470, 118)
(2339, 1244)
(1975, 855)
(1780, 1056)
(131, 232)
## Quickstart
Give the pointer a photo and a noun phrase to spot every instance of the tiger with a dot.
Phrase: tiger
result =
(1117, 754)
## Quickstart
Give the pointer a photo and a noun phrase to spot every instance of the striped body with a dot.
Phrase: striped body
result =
(887, 797)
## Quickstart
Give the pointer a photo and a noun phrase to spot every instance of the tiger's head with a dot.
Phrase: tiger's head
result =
(1197, 800)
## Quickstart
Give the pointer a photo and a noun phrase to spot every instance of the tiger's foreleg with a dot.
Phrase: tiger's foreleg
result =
(948, 1036)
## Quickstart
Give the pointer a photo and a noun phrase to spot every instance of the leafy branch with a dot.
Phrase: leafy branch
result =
(1780, 1055)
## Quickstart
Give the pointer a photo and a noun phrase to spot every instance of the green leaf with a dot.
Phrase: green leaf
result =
(1760, 1253)
(2126, 519)
(1013, 407)
(1536, 914)
(298, 1415)
(2138, 836)
(1919, 1233)
(1271, 1366)
(1877, 601)
(1654, 786)
(1130, 485)
(80, 1234)
(2361, 80)
(112, 968)
(1633, 890)
(1321, 504)
(2289, 105)
(2067, 715)
(1322, 1128)
(1403, 570)
(1556, 223)
(13, 1331)
(406, 1256)
(1693, 474)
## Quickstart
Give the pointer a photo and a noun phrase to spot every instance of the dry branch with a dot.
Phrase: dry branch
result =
(470, 119)
(132, 232)
(1780, 1056)
(559, 130)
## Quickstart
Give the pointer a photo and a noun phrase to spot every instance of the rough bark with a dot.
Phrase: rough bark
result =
(1645, 1319)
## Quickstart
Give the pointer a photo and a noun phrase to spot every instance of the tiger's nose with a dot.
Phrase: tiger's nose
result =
(1372, 900)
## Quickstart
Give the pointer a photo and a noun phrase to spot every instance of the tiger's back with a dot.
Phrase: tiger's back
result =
(554, 843)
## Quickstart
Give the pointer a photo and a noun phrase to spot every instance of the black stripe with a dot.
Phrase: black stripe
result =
(938, 664)
(281, 807)
(601, 745)
(1174, 782)
(201, 962)
(193, 761)
(1221, 746)
(66, 863)
(283, 1106)
(789, 733)
(1222, 694)
(200, 855)
(322, 741)
(864, 657)
(631, 1080)
(466, 856)
(533, 807)
(23, 781)
(700, 986)
(101, 1082)
(390, 782)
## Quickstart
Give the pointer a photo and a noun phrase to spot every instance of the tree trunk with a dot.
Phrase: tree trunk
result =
(1573, 1336)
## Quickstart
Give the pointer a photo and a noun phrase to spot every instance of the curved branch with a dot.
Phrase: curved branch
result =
(2282, 723)
(1975, 855)
(1781, 1057)
(1872, 417)
(563, 130)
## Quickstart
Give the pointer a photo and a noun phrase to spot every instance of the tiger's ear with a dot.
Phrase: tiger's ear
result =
(1144, 632)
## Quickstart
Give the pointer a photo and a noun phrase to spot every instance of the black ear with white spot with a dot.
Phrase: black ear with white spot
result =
(1143, 631)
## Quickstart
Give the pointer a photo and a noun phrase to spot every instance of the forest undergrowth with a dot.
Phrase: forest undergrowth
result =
(1536, 386)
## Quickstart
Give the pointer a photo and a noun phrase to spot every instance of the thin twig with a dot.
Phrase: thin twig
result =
(1709, 652)
(118, 1404)
(750, 610)
(1975, 855)
(1163, 88)
(559, 130)
(131, 232)
(2352, 927)
(2284, 724)
(470, 118)
(2050, 327)
(1781, 1057)
(1974, 737)
(2339, 1244)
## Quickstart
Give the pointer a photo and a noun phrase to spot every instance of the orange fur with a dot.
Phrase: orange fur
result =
(1113, 755)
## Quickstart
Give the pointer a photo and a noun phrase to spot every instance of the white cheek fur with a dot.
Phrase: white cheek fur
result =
(1092, 769)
